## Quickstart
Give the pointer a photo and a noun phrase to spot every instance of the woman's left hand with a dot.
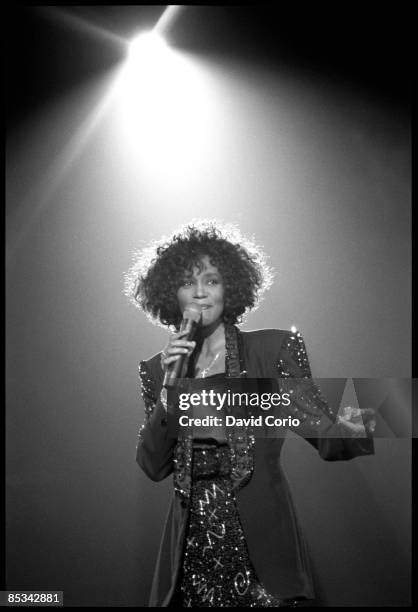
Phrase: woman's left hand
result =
(359, 421)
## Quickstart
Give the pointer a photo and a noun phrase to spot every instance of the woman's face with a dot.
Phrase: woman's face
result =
(203, 287)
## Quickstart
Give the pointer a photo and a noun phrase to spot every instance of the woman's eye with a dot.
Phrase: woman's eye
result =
(214, 281)
(186, 283)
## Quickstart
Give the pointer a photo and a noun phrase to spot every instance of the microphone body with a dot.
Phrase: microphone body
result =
(191, 318)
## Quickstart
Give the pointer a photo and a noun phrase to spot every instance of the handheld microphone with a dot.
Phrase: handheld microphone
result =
(191, 318)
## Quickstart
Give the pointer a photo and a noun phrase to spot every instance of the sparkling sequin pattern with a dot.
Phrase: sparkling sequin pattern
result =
(241, 441)
(217, 571)
(147, 389)
(307, 402)
(182, 456)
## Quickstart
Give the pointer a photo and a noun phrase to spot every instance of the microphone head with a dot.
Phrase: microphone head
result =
(193, 312)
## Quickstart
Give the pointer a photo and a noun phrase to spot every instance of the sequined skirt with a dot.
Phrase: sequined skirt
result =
(216, 569)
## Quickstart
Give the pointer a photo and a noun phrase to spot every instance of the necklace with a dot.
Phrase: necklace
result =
(204, 372)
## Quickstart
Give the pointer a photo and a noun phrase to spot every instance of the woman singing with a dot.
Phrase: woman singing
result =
(231, 536)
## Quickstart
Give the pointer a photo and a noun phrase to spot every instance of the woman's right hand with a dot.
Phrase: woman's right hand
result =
(176, 347)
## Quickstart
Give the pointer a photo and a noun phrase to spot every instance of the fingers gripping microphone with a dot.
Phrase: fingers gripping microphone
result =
(191, 318)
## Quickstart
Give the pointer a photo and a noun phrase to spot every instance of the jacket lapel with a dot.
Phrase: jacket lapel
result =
(240, 439)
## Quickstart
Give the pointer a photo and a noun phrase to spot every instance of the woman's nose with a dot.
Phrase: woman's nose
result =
(199, 290)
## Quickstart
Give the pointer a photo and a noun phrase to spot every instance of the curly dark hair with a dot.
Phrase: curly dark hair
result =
(157, 273)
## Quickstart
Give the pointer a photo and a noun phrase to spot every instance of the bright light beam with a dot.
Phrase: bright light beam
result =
(167, 19)
(43, 190)
(147, 52)
(166, 110)
(80, 24)
(166, 113)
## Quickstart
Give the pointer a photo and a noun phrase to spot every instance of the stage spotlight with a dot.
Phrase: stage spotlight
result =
(165, 110)
(147, 49)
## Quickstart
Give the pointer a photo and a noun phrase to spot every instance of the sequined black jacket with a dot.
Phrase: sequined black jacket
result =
(276, 546)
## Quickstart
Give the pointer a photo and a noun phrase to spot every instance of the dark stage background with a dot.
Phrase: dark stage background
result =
(309, 150)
